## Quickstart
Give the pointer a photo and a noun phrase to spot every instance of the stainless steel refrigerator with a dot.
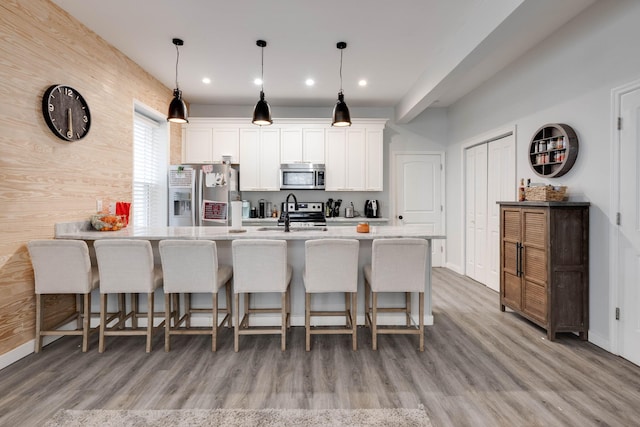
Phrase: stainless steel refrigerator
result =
(201, 194)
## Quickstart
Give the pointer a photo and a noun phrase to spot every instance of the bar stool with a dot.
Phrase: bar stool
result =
(331, 265)
(260, 266)
(126, 267)
(397, 265)
(191, 266)
(63, 267)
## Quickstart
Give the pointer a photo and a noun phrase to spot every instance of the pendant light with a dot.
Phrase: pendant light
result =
(262, 112)
(177, 108)
(341, 116)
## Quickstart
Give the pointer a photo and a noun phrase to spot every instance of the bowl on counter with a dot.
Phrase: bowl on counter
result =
(108, 222)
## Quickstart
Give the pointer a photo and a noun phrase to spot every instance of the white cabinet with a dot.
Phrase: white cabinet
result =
(353, 156)
(225, 142)
(374, 173)
(354, 159)
(299, 144)
(208, 140)
(260, 159)
(196, 142)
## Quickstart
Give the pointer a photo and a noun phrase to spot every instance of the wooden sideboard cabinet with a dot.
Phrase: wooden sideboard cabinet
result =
(544, 264)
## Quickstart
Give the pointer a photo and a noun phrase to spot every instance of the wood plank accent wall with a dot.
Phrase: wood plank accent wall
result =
(43, 179)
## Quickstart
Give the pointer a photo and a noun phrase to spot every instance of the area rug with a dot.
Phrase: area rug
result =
(241, 417)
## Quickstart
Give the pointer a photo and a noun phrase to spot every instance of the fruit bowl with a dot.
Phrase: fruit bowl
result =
(108, 222)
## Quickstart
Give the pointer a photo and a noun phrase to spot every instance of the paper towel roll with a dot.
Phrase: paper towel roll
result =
(236, 215)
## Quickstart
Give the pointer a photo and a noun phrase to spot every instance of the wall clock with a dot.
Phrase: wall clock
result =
(66, 112)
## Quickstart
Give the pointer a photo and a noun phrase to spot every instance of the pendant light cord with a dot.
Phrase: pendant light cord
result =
(341, 51)
(262, 72)
(177, 59)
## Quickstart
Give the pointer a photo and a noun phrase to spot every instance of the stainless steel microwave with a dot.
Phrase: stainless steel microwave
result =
(301, 176)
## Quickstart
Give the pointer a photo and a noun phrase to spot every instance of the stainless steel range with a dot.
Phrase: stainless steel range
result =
(309, 214)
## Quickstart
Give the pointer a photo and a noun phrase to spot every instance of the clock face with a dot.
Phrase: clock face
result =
(66, 112)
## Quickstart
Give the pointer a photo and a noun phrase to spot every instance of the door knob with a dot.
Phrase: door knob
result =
(399, 216)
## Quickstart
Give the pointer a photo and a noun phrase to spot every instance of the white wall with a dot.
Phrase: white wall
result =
(567, 78)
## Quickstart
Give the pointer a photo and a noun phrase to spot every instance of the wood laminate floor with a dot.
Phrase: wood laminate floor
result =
(480, 367)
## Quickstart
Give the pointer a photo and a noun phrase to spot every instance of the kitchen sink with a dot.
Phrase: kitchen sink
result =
(292, 229)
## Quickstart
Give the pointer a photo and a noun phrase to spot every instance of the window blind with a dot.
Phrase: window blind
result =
(149, 172)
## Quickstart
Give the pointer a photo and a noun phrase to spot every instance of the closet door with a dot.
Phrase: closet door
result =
(476, 202)
(490, 177)
(501, 186)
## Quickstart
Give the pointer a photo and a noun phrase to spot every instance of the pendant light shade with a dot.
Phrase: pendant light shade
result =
(262, 111)
(341, 116)
(177, 108)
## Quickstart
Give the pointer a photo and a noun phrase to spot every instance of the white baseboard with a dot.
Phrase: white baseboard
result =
(600, 341)
(455, 268)
(25, 350)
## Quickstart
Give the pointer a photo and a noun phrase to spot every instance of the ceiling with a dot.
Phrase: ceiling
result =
(413, 53)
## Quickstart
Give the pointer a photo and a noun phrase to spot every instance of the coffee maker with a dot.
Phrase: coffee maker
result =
(371, 208)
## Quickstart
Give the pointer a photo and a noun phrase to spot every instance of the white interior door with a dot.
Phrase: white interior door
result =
(418, 188)
(476, 218)
(490, 177)
(501, 186)
(629, 229)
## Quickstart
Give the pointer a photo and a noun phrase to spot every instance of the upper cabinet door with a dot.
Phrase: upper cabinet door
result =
(374, 164)
(313, 145)
(299, 144)
(291, 145)
(356, 159)
(336, 162)
(226, 142)
(260, 159)
(197, 145)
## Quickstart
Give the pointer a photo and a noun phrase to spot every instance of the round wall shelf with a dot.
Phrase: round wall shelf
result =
(553, 150)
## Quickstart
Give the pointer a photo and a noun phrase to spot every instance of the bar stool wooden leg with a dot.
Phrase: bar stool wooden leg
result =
(135, 306)
(374, 322)
(122, 312)
(307, 320)
(187, 309)
(367, 302)
(236, 329)
(283, 340)
(354, 320)
(150, 307)
(167, 322)
(421, 322)
(39, 322)
(214, 332)
(103, 321)
(227, 291)
(408, 307)
(86, 322)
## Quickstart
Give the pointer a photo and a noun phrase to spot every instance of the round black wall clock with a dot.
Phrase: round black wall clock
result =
(66, 112)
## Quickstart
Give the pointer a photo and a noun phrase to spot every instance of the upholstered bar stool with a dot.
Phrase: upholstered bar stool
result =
(126, 267)
(191, 266)
(397, 265)
(63, 267)
(260, 266)
(331, 265)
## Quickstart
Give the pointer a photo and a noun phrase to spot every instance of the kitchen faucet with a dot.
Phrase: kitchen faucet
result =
(285, 214)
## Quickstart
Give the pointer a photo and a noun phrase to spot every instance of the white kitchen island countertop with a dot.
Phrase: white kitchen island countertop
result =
(83, 231)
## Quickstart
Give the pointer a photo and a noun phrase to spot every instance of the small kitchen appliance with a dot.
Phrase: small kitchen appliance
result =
(302, 176)
(371, 208)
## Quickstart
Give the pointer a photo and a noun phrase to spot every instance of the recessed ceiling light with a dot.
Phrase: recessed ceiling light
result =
(206, 80)
(362, 82)
(257, 82)
(309, 82)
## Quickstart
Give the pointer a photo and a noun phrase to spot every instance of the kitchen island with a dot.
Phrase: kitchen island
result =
(296, 238)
